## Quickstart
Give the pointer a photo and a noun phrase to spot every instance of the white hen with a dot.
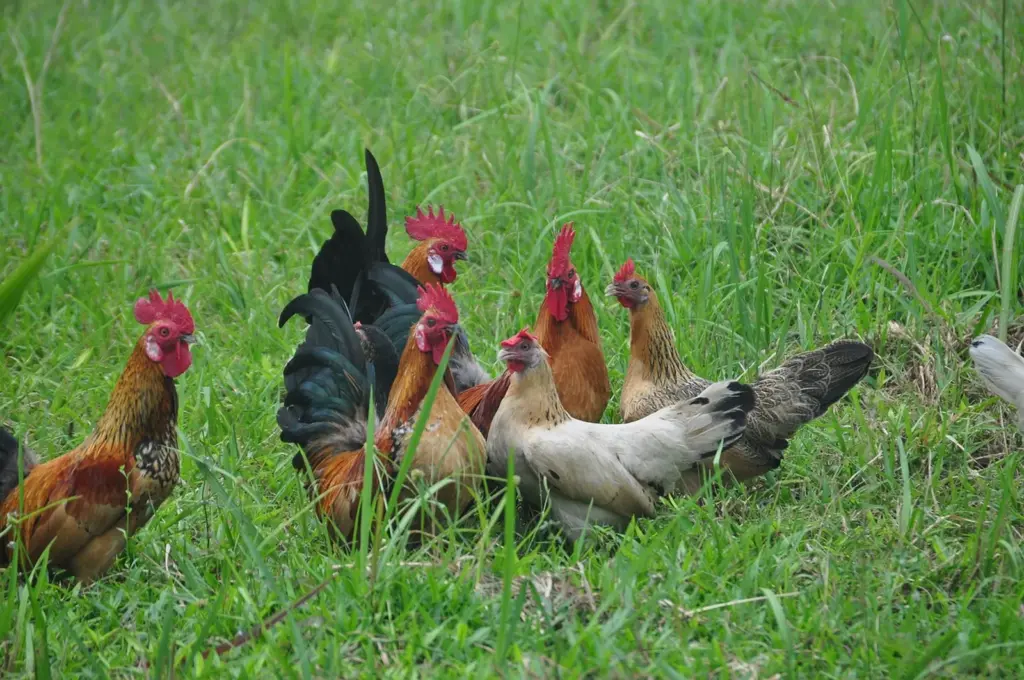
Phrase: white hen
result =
(1002, 371)
(601, 474)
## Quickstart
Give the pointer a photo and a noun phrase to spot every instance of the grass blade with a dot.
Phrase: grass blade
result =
(509, 561)
(987, 187)
(13, 287)
(1009, 270)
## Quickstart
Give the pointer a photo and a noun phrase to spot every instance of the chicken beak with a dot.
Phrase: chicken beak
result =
(612, 290)
(460, 255)
(189, 339)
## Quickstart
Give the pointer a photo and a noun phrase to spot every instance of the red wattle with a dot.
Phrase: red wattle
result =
(558, 303)
(177, 361)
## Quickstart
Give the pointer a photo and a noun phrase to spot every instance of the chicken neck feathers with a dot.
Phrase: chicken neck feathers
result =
(576, 358)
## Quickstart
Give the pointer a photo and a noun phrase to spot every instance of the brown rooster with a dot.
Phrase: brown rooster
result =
(798, 391)
(84, 504)
(567, 329)
(442, 242)
(328, 395)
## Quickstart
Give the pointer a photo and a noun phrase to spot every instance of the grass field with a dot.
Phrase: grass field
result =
(787, 172)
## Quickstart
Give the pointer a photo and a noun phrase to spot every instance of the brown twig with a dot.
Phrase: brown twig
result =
(262, 627)
(779, 93)
(690, 613)
(907, 284)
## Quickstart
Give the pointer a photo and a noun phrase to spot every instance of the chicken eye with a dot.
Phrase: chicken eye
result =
(524, 346)
(572, 274)
(634, 285)
(164, 332)
(431, 322)
(444, 248)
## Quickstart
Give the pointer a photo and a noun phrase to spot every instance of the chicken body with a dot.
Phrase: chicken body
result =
(84, 504)
(577, 361)
(1002, 371)
(798, 391)
(603, 474)
(327, 405)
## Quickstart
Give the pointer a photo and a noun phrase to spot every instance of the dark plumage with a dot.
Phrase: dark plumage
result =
(328, 380)
(9, 462)
(356, 263)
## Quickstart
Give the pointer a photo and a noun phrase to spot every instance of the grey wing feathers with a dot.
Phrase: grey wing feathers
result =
(608, 485)
(802, 389)
(466, 370)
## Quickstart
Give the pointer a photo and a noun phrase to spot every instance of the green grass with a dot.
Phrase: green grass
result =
(769, 164)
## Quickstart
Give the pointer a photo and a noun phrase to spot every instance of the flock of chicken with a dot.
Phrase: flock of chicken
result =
(377, 337)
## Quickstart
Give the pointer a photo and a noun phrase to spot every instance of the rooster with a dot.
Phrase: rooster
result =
(357, 264)
(1002, 371)
(327, 402)
(603, 474)
(798, 391)
(83, 505)
(567, 329)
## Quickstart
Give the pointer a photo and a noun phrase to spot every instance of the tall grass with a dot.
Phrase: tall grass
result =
(785, 174)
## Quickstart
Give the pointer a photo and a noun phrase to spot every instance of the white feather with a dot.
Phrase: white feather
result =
(1002, 371)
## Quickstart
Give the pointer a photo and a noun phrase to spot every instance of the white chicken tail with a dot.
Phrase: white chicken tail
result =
(695, 430)
(1002, 371)
(716, 415)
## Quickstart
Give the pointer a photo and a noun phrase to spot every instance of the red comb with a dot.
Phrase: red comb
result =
(524, 334)
(559, 263)
(155, 308)
(627, 272)
(434, 297)
(428, 225)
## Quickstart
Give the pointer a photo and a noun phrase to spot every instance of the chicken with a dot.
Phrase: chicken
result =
(327, 401)
(357, 264)
(84, 504)
(798, 391)
(1002, 371)
(602, 474)
(567, 328)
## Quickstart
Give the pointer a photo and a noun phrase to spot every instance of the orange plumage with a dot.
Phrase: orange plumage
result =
(481, 401)
(83, 504)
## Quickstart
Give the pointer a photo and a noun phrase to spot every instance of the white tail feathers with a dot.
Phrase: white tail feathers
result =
(659, 448)
(716, 415)
(1002, 371)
